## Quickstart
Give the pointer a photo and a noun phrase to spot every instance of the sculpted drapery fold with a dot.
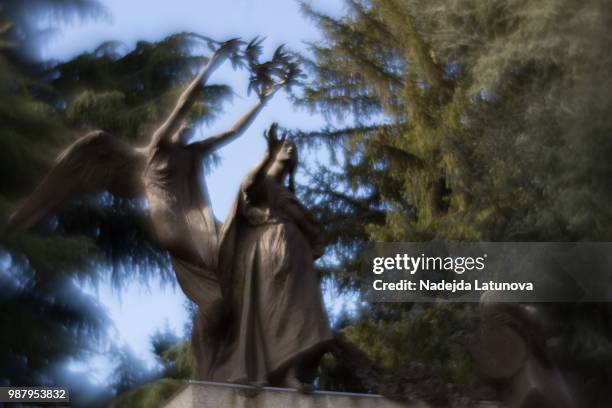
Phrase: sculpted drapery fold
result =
(268, 246)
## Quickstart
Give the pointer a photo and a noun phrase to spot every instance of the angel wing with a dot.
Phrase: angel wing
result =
(95, 162)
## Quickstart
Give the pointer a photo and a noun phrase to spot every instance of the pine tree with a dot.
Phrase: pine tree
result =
(178, 365)
(465, 92)
(47, 316)
(467, 120)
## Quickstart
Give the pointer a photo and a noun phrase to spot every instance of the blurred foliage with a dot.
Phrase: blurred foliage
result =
(49, 317)
(477, 121)
(35, 21)
(150, 395)
(49, 320)
(462, 120)
(422, 334)
(127, 95)
(178, 366)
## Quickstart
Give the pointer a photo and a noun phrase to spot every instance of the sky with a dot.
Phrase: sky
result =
(137, 311)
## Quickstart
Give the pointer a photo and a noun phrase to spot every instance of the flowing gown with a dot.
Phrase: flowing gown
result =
(184, 225)
(266, 268)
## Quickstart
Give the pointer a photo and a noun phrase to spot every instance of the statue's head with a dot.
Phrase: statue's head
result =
(287, 157)
(284, 153)
(282, 150)
(287, 154)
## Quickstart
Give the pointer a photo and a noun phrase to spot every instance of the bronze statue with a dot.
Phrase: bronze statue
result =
(510, 351)
(166, 172)
(180, 211)
(278, 328)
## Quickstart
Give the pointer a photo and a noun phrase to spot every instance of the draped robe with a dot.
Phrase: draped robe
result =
(266, 268)
(184, 224)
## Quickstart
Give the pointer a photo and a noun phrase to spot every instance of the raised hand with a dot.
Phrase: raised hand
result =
(266, 78)
(270, 90)
(269, 76)
(228, 49)
(274, 143)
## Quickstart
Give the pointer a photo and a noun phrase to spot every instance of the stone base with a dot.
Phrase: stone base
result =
(199, 394)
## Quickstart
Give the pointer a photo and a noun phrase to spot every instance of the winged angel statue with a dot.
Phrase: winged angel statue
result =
(165, 171)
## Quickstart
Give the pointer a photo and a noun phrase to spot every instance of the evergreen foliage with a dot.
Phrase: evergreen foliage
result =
(464, 120)
(46, 316)
(475, 121)
(177, 366)
(49, 320)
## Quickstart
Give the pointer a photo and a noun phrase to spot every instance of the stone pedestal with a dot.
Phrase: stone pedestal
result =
(198, 394)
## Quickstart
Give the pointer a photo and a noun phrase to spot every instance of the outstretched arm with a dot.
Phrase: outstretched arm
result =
(216, 141)
(185, 101)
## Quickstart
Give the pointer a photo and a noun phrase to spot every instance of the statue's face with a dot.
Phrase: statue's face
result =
(287, 154)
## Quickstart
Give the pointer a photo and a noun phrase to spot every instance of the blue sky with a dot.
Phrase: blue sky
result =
(137, 310)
